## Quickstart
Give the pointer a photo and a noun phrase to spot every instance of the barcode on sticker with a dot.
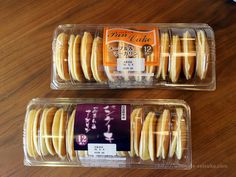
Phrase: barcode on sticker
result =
(101, 149)
(130, 64)
(123, 112)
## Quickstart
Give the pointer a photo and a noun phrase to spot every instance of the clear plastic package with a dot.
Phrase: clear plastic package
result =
(177, 55)
(118, 133)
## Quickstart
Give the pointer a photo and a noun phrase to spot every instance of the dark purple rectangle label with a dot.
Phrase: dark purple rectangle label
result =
(102, 123)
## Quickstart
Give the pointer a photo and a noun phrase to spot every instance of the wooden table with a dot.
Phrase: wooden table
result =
(25, 55)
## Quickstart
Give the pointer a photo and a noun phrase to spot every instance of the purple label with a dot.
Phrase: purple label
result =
(102, 123)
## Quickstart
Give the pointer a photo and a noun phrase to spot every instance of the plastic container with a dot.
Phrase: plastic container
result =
(180, 56)
(108, 133)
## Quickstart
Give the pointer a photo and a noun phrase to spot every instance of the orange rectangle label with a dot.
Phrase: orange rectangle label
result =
(134, 42)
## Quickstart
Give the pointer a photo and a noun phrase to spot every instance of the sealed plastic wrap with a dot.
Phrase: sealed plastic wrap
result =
(178, 56)
(108, 133)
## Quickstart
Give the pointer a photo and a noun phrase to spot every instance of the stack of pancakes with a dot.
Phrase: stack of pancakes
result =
(79, 58)
(162, 135)
(187, 53)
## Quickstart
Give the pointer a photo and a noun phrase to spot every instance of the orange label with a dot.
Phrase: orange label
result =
(133, 42)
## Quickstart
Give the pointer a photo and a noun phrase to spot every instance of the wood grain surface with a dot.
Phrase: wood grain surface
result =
(25, 56)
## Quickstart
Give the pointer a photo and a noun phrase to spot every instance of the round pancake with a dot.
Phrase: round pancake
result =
(86, 48)
(152, 136)
(35, 131)
(61, 56)
(70, 54)
(61, 141)
(70, 137)
(29, 134)
(173, 141)
(58, 133)
(202, 49)
(132, 117)
(42, 135)
(163, 135)
(164, 57)
(143, 151)
(76, 69)
(137, 129)
(48, 120)
(97, 60)
(175, 59)
(181, 133)
(189, 55)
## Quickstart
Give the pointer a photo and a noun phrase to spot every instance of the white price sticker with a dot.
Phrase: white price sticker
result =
(130, 64)
(101, 149)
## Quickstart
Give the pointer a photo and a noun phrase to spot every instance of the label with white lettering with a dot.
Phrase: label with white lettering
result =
(102, 124)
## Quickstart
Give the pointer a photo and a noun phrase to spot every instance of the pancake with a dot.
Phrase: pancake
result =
(29, 134)
(144, 140)
(152, 137)
(58, 133)
(48, 120)
(175, 59)
(179, 133)
(164, 57)
(202, 54)
(35, 131)
(137, 129)
(70, 137)
(61, 56)
(188, 55)
(163, 135)
(42, 133)
(86, 49)
(97, 60)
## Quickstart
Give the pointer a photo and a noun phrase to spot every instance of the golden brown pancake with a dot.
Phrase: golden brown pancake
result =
(76, 69)
(61, 56)
(48, 120)
(152, 137)
(163, 134)
(144, 140)
(42, 133)
(29, 134)
(131, 152)
(86, 49)
(178, 139)
(137, 129)
(175, 59)
(97, 60)
(164, 57)
(70, 136)
(202, 54)
(188, 55)
(58, 133)
(35, 131)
